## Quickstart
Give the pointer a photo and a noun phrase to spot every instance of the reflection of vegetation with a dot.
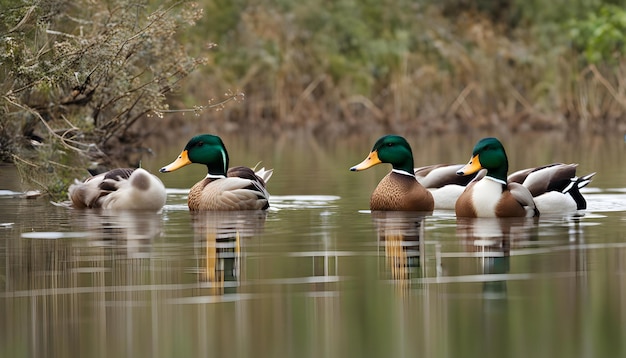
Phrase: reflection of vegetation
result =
(83, 75)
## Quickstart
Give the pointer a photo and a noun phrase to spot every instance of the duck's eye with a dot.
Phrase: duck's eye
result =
(390, 144)
(200, 144)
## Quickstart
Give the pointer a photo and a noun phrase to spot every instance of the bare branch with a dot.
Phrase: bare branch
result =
(24, 19)
(236, 96)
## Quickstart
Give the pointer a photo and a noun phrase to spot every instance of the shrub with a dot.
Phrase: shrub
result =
(77, 75)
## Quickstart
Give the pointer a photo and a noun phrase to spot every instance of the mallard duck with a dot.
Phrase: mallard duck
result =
(446, 185)
(122, 188)
(555, 188)
(443, 183)
(489, 194)
(399, 190)
(237, 188)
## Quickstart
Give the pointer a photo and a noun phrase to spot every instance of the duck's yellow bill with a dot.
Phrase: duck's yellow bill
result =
(369, 162)
(181, 161)
(470, 168)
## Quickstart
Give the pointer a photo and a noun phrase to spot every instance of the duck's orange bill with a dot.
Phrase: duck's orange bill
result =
(472, 167)
(181, 161)
(369, 162)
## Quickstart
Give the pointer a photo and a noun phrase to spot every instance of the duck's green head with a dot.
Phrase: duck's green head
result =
(204, 149)
(391, 149)
(488, 154)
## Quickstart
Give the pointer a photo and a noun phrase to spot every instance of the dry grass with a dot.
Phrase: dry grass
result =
(91, 83)
(419, 72)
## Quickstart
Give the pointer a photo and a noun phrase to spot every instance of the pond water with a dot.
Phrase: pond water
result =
(318, 275)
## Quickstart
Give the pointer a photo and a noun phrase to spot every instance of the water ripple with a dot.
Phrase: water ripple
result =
(282, 202)
(607, 200)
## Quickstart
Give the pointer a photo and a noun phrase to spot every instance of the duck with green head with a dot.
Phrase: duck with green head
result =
(554, 188)
(237, 188)
(399, 190)
(489, 195)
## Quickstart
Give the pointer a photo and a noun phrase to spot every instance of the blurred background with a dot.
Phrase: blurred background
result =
(89, 83)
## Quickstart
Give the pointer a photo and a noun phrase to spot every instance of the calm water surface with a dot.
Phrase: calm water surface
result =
(318, 275)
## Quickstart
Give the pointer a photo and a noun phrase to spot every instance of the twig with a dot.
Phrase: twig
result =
(612, 91)
(307, 92)
(43, 121)
(24, 19)
(53, 32)
(518, 96)
(18, 158)
(142, 30)
(378, 113)
(460, 99)
(197, 109)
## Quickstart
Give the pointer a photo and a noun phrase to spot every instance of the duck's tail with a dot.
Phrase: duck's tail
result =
(264, 174)
(573, 189)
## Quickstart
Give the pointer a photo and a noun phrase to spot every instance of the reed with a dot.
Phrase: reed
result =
(84, 84)
(411, 67)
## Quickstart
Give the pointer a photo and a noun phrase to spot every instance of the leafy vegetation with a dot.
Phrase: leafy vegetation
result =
(77, 77)
(405, 66)
(84, 81)
(600, 36)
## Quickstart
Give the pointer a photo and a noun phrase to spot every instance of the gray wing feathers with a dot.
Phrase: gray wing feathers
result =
(523, 196)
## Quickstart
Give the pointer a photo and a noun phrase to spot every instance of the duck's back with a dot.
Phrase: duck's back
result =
(240, 190)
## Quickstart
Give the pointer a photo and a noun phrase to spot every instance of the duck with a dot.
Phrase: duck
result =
(446, 186)
(549, 189)
(224, 188)
(119, 189)
(489, 194)
(555, 187)
(443, 183)
(399, 190)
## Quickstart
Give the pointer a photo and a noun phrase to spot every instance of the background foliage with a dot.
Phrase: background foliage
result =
(76, 78)
(89, 81)
(427, 66)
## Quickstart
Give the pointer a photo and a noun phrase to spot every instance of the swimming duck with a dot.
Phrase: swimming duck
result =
(489, 194)
(121, 188)
(443, 183)
(237, 188)
(399, 190)
(555, 188)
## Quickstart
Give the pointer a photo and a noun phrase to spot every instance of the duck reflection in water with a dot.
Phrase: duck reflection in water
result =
(401, 235)
(489, 240)
(125, 238)
(219, 237)
(130, 233)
